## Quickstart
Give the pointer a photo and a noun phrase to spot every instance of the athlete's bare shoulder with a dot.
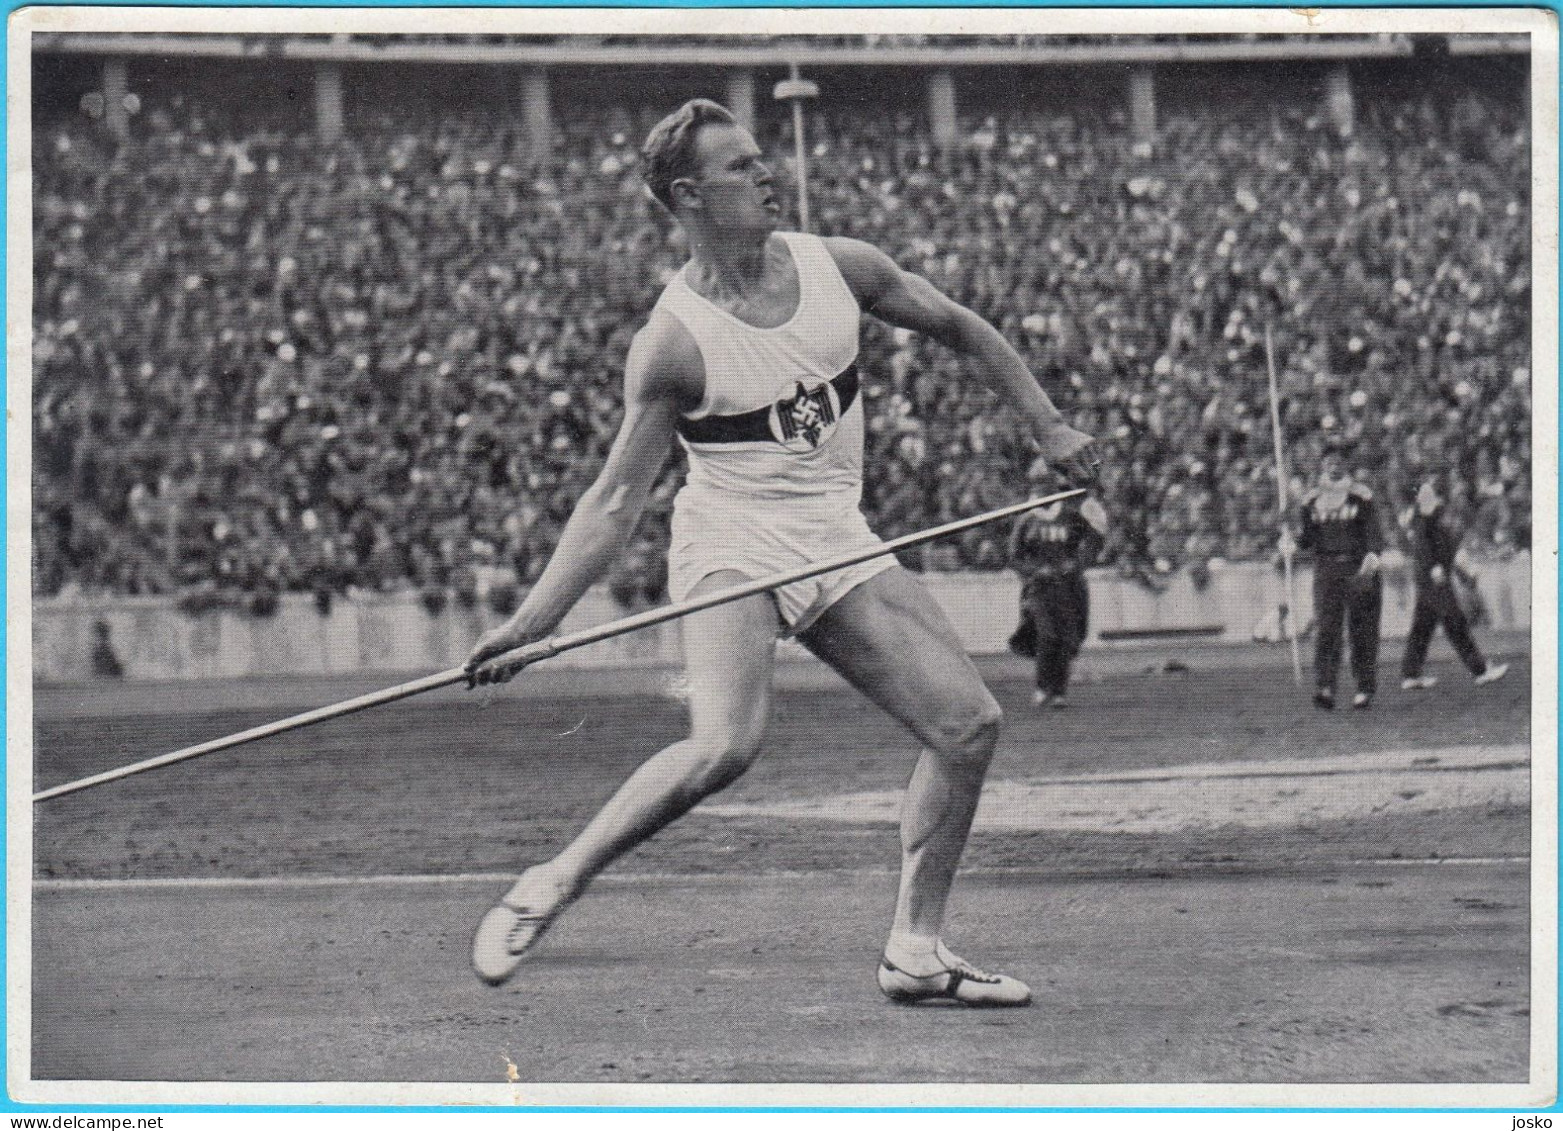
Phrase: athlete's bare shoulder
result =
(867, 270)
(665, 362)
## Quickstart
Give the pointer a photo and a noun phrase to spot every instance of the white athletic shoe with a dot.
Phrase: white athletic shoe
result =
(512, 928)
(1039, 698)
(959, 982)
(1419, 683)
(1493, 674)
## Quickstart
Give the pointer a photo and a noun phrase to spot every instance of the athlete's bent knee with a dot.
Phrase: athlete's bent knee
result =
(716, 761)
(968, 733)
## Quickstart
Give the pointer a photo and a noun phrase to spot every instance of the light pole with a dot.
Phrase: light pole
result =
(796, 90)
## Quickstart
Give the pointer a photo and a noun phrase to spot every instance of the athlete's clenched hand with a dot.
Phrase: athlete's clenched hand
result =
(494, 643)
(1072, 454)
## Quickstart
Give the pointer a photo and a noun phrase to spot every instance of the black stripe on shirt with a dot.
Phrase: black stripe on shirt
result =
(747, 427)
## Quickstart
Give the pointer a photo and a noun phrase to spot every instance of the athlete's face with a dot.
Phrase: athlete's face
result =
(733, 188)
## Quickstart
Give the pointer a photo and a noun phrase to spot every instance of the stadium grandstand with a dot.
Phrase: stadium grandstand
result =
(328, 314)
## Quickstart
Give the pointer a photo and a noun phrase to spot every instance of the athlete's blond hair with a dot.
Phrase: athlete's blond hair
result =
(669, 152)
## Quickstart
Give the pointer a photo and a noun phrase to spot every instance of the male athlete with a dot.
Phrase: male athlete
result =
(1051, 548)
(749, 359)
(1340, 524)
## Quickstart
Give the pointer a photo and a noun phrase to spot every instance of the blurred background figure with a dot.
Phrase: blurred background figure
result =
(1435, 545)
(105, 663)
(1340, 525)
(1051, 548)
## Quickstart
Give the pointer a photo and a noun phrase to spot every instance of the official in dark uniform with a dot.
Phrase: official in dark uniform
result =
(1434, 543)
(1340, 525)
(1051, 548)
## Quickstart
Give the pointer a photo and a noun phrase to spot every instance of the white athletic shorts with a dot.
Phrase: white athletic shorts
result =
(757, 538)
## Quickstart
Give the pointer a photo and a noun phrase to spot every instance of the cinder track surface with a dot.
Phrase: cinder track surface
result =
(1379, 947)
(1358, 974)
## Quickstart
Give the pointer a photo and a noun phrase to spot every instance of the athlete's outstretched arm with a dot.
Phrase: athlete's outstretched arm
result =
(903, 299)
(657, 383)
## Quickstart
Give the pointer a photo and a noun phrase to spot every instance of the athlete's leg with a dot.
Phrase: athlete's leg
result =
(1036, 610)
(892, 642)
(1458, 629)
(1082, 611)
(729, 656)
(1367, 603)
(1424, 619)
(1329, 612)
(1077, 603)
(1023, 641)
(1053, 639)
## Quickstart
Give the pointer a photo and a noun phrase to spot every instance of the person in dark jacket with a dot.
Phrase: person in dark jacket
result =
(105, 662)
(1051, 548)
(1434, 543)
(1340, 525)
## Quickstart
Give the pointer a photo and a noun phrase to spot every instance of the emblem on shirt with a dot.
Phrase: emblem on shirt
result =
(804, 421)
(1345, 511)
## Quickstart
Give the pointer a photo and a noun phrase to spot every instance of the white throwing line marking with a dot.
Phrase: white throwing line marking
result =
(182, 883)
(153, 883)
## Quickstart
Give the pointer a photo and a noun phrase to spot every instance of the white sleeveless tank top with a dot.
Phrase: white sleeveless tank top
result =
(782, 415)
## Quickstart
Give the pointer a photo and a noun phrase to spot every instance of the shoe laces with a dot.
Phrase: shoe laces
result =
(971, 974)
(522, 927)
(514, 942)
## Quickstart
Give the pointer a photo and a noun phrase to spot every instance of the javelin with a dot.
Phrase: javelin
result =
(1280, 486)
(543, 649)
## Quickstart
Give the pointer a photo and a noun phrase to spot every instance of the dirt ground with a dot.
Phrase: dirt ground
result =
(1409, 974)
(1381, 947)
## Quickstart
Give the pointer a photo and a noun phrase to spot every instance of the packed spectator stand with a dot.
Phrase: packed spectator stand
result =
(264, 364)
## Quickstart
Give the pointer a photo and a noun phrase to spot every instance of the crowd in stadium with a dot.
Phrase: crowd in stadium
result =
(264, 364)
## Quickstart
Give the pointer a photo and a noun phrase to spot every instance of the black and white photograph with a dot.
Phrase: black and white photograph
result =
(753, 558)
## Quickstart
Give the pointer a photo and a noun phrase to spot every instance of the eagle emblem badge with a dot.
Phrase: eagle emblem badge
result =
(805, 420)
